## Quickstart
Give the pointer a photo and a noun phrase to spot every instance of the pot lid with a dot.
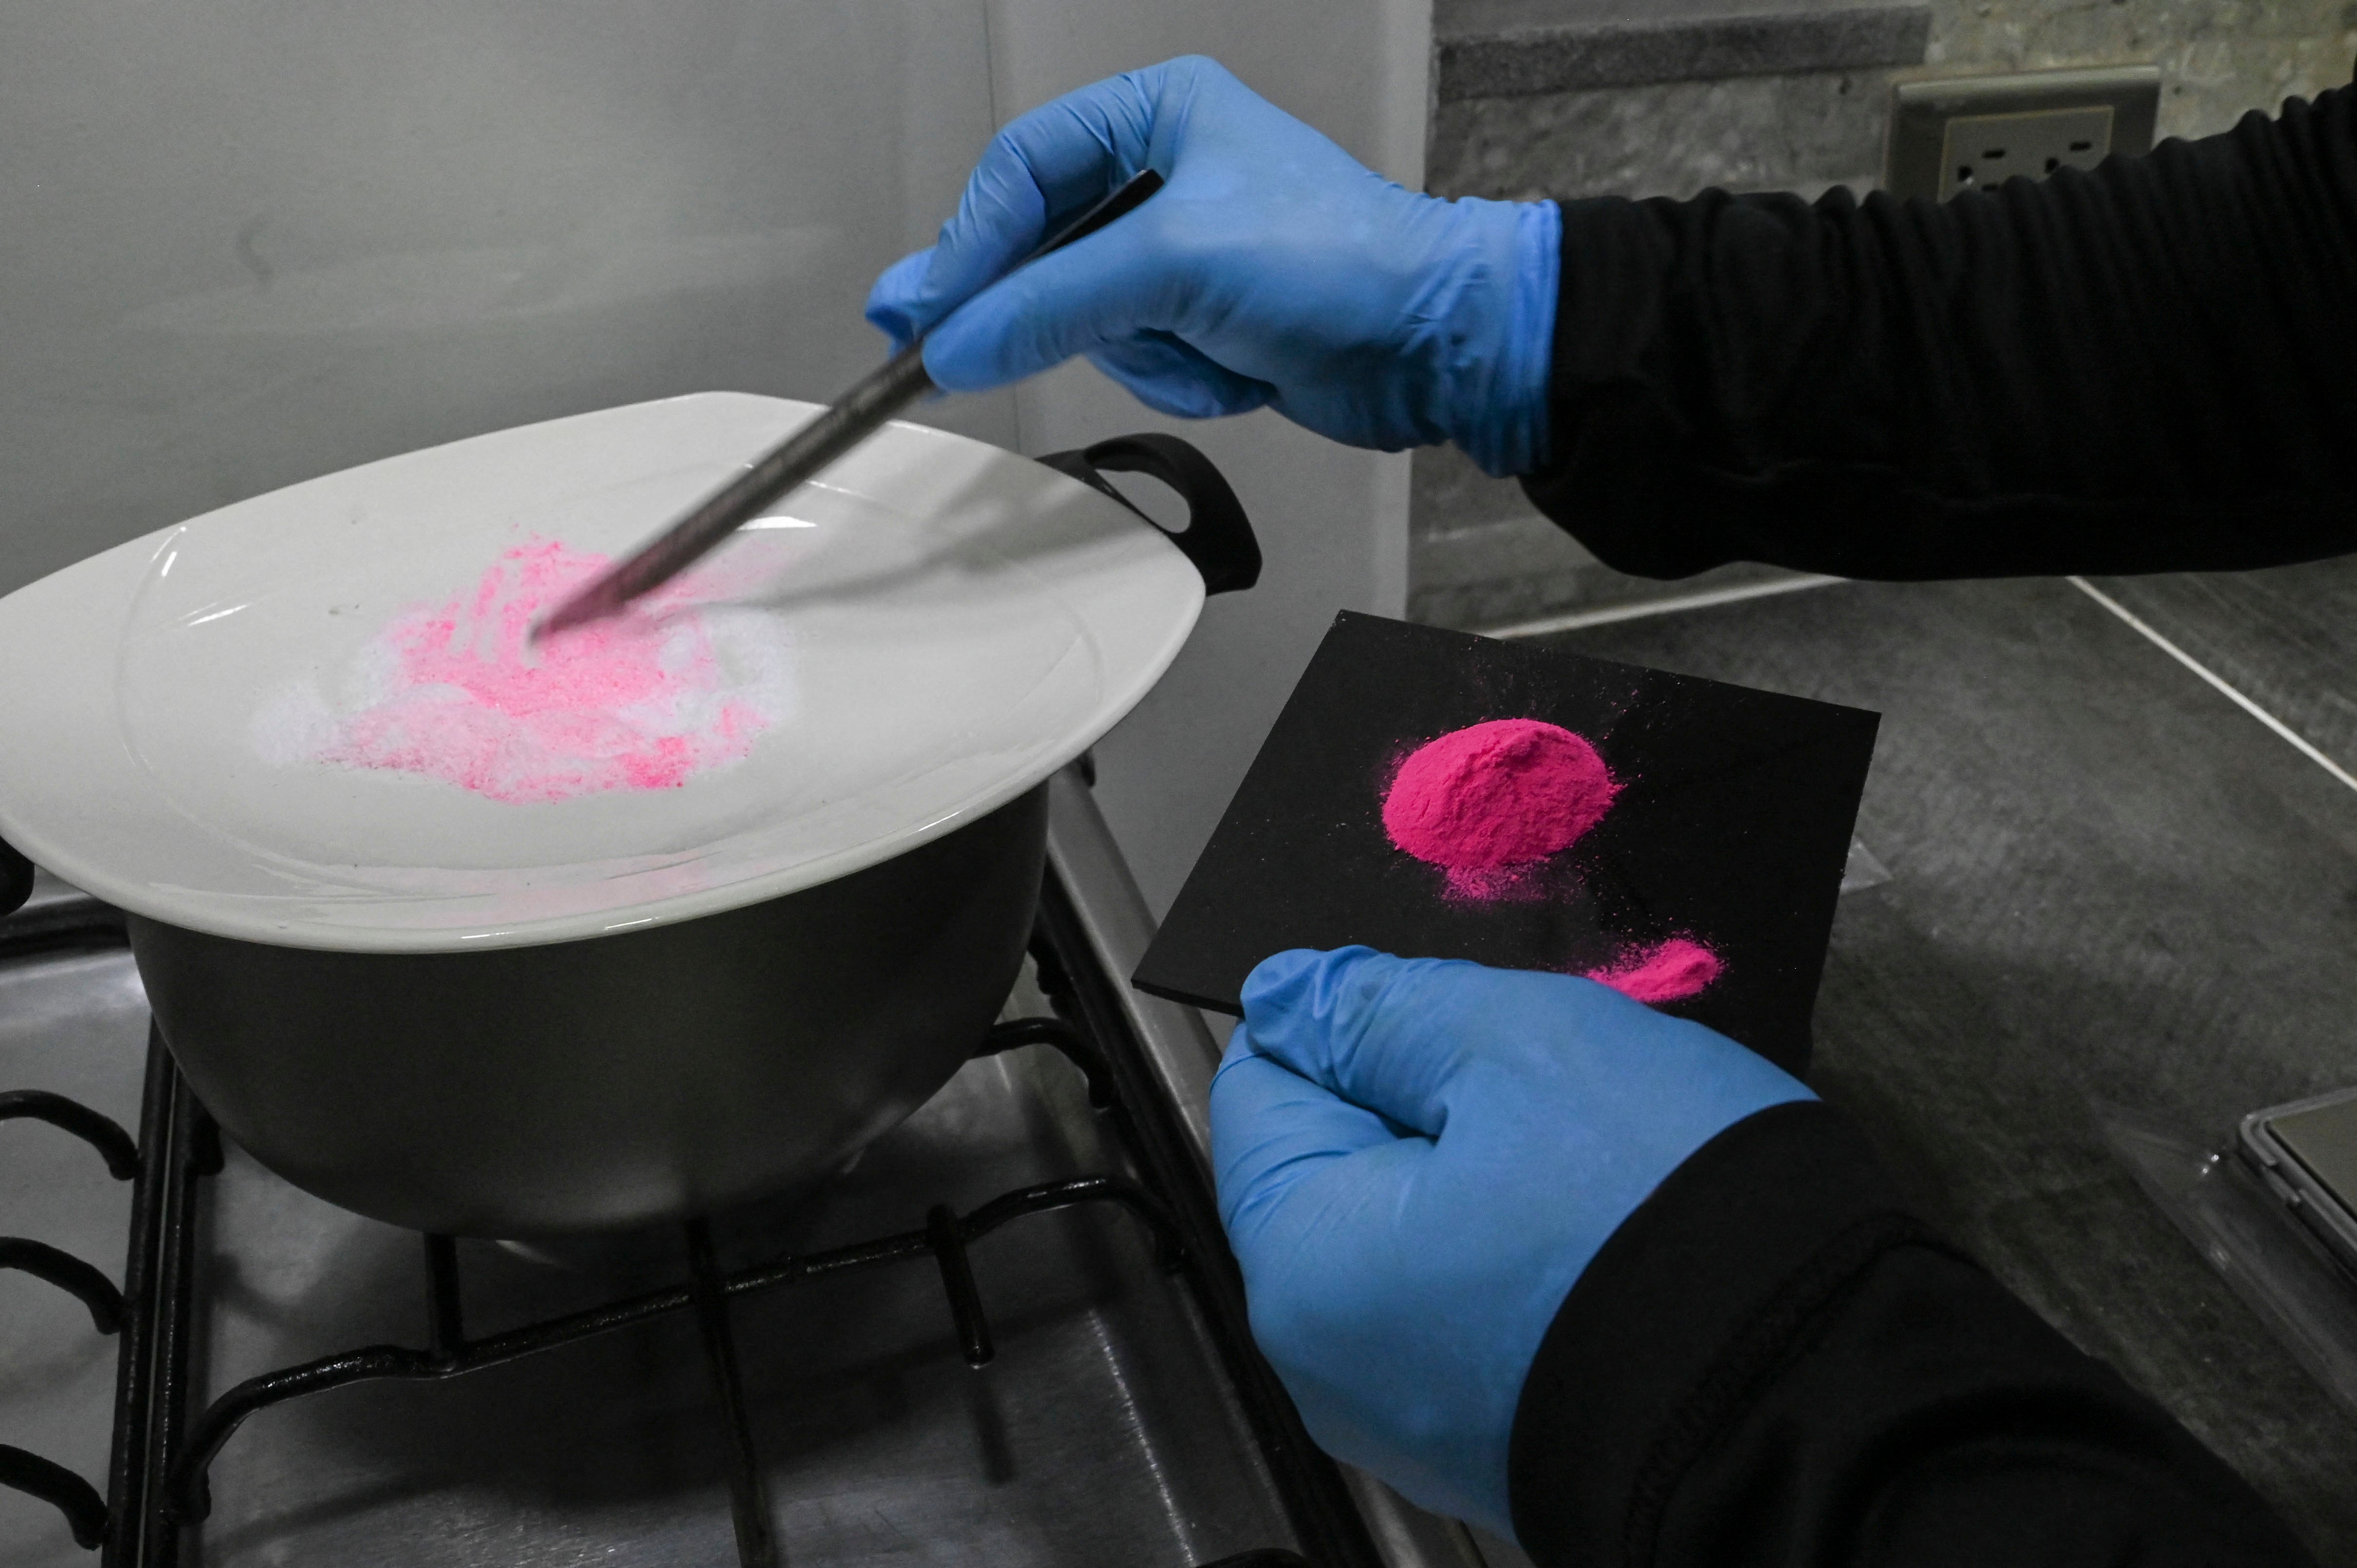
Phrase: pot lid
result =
(312, 718)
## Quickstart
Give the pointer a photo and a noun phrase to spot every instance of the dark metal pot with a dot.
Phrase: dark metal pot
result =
(607, 1083)
(621, 1080)
(618, 1081)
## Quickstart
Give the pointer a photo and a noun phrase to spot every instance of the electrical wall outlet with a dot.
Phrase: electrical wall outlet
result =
(1975, 132)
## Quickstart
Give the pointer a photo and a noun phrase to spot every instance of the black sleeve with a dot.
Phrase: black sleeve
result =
(2150, 367)
(1770, 1366)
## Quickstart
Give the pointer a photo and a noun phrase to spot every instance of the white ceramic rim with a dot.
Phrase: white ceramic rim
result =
(234, 917)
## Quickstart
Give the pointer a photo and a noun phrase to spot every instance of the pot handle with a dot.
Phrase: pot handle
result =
(16, 879)
(1219, 537)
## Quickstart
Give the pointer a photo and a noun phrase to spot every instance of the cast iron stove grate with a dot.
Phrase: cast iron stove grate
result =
(159, 1459)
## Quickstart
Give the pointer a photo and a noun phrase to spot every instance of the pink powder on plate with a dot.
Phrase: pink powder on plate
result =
(635, 702)
(1669, 971)
(1486, 802)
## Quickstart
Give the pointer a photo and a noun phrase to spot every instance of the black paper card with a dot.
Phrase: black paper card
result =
(1730, 829)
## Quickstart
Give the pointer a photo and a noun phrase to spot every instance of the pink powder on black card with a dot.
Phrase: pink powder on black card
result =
(1669, 971)
(1486, 802)
(634, 702)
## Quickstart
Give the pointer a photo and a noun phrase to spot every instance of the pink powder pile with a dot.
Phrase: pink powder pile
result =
(634, 702)
(1488, 802)
(1670, 971)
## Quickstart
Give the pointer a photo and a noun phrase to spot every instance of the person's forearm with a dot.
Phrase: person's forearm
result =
(2149, 367)
(1770, 1366)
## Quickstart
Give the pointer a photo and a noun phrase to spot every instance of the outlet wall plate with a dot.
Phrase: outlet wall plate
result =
(1973, 132)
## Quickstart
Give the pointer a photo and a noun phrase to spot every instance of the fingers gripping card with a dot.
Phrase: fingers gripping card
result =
(1436, 794)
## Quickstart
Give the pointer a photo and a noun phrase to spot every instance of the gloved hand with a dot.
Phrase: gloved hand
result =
(1272, 269)
(1415, 1160)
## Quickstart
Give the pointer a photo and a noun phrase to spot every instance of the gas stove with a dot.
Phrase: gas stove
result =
(1007, 1333)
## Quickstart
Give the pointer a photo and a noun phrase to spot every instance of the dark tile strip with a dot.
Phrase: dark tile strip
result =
(1529, 61)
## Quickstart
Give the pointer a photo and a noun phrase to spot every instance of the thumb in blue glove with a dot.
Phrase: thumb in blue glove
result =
(1416, 1159)
(1272, 269)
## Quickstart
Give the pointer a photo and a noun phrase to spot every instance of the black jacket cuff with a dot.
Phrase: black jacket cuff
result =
(2141, 367)
(1698, 1295)
(1770, 1366)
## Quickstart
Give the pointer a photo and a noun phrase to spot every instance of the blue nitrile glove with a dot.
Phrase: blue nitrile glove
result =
(1415, 1160)
(1273, 269)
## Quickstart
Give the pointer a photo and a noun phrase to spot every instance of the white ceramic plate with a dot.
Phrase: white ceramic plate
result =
(929, 632)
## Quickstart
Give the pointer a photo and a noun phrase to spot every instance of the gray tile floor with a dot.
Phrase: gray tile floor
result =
(2287, 638)
(2105, 879)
